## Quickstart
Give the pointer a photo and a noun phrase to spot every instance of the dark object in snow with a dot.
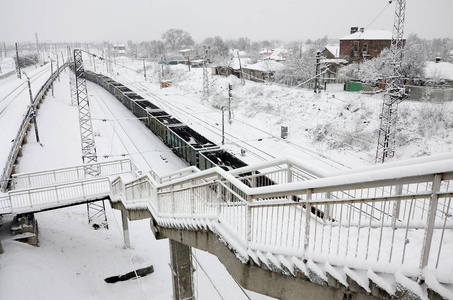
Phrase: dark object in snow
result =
(96, 226)
(131, 275)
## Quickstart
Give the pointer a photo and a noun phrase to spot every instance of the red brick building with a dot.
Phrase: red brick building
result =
(363, 44)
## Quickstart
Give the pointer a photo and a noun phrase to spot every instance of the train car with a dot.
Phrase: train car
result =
(220, 158)
(192, 143)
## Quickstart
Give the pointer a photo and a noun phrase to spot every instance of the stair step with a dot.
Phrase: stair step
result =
(382, 285)
(336, 276)
(437, 290)
(358, 280)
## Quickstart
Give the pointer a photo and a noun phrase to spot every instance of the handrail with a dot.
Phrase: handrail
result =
(46, 177)
(387, 206)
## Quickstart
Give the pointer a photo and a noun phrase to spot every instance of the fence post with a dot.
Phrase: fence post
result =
(290, 174)
(219, 197)
(192, 199)
(249, 220)
(307, 220)
(426, 247)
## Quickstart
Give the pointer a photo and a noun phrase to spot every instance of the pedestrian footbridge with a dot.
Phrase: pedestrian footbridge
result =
(284, 228)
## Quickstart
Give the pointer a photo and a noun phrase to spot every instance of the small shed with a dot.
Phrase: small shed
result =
(262, 71)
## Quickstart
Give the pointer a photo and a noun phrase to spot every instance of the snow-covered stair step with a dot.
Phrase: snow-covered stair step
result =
(409, 288)
(357, 280)
(300, 269)
(317, 272)
(382, 285)
(437, 290)
(336, 277)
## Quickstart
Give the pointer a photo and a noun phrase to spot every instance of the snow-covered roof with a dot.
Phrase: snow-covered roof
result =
(334, 61)
(334, 49)
(185, 50)
(235, 62)
(266, 65)
(369, 35)
(234, 52)
(440, 70)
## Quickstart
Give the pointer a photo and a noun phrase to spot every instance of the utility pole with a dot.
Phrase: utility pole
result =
(144, 69)
(395, 91)
(4, 47)
(72, 78)
(33, 110)
(58, 64)
(37, 46)
(230, 87)
(318, 56)
(51, 72)
(86, 133)
(17, 64)
(240, 68)
(188, 61)
(223, 125)
(62, 57)
(205, 74)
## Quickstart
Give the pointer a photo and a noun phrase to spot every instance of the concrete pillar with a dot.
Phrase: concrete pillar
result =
(127, 240)
(182, 270)
(1, 248)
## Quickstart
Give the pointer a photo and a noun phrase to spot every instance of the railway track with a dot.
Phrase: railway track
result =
(202, 121)
(11, 96)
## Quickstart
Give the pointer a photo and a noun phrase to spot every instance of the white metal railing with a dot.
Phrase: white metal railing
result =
(48, 177)
(399, 216)
(35, 199)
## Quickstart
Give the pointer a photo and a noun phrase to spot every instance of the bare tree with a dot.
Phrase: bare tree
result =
(176, 39)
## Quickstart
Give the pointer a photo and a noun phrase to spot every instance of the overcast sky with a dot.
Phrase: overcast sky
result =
(287, 20)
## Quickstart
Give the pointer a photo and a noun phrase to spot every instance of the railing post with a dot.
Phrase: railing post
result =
(290, 173)
(426, 247)
(307, 220)
(192, 199)
(219, 198)
(327, 211)
(396, 214)
(249, 220)
(172, 200)
(253, 179)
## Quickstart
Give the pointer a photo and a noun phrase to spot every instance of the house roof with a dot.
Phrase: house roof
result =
(334, 49)
(369, 35)
(440, 70)
(266, 66)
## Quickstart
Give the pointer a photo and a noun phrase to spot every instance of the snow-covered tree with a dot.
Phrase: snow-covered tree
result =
(177, 39)
(219, 49)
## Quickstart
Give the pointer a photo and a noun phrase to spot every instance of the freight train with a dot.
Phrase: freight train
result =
(185, 142)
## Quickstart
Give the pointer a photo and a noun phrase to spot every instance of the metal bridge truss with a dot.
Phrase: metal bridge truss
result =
(72, 79)
(89, 155)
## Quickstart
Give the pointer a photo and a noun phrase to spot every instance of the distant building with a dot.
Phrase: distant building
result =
(120, 49)
(262, 71)
(331, 51)
(363, 44)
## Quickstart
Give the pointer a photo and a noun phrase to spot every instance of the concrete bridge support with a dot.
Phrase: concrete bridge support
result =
(182, 270)
(125, 221)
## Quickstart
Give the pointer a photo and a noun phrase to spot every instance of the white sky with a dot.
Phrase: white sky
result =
(138, 20)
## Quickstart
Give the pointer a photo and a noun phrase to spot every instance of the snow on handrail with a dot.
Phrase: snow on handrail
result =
(47, 177)
(359, 219)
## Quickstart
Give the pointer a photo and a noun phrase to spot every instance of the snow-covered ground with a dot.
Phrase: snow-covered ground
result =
(342, 127)
(73, 259)
(333, 130)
